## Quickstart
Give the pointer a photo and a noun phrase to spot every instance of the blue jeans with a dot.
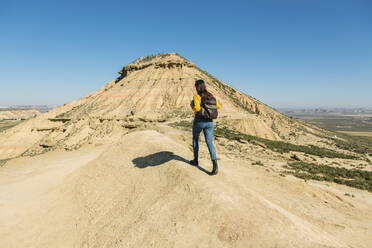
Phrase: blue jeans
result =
(207, 126)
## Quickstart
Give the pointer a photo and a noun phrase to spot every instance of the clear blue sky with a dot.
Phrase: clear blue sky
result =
(299, 53)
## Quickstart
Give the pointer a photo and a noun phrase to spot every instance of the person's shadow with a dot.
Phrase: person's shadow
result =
(159, 158)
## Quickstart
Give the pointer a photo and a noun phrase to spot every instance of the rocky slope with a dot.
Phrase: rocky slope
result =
(153, 89)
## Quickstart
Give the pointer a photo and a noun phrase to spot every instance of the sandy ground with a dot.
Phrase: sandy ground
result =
(141, 192)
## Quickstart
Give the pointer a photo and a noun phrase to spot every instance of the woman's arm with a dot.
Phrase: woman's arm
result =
(197, 102)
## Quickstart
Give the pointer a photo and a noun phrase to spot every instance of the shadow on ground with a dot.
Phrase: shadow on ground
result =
(160, 158)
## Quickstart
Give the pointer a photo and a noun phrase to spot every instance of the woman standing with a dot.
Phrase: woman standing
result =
(203, 124)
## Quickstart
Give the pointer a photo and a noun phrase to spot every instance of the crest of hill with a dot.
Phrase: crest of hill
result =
(163, 59)
(161, 86)
(152, 89)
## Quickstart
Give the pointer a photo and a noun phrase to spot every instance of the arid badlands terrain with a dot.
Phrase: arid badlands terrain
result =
(111, 170)
(18, 114)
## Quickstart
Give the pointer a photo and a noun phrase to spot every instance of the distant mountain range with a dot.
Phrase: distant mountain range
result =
(326, 111)
(40, 108)
(287, 111)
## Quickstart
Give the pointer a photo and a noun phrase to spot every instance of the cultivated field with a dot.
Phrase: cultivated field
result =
(348, 122)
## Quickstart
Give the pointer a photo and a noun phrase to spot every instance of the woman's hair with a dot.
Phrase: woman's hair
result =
(201, 88)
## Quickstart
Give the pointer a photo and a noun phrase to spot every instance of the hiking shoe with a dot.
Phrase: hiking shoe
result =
(215, 167)
(194, 162)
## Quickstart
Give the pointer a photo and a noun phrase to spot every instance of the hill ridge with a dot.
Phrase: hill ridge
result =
(153, 89)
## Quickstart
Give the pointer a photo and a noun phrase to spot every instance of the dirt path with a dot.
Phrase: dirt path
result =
(141, 192)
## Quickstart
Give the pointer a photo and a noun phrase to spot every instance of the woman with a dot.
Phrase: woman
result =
(201, 123)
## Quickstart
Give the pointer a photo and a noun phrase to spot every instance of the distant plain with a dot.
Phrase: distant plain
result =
(356, 122)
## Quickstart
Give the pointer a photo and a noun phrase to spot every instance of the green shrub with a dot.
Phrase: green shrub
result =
(283, 147)
(3, 161)
(258, 163)
(354, 178)
(186, 125)
(357, 144)
(276, 146)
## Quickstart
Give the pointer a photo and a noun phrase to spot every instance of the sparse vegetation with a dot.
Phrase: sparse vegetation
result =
(362, 145)
(283, 147)
(3, 161)
(258, 163)
(151, 57)
(354, 178)
(186, 125)
(277, 146)
(342, 122)
(148, 58)
(295, 157)
(5, 124)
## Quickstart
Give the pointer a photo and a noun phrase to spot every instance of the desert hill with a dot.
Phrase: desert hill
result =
(18, 114)
(149, 90)
(111, 170)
